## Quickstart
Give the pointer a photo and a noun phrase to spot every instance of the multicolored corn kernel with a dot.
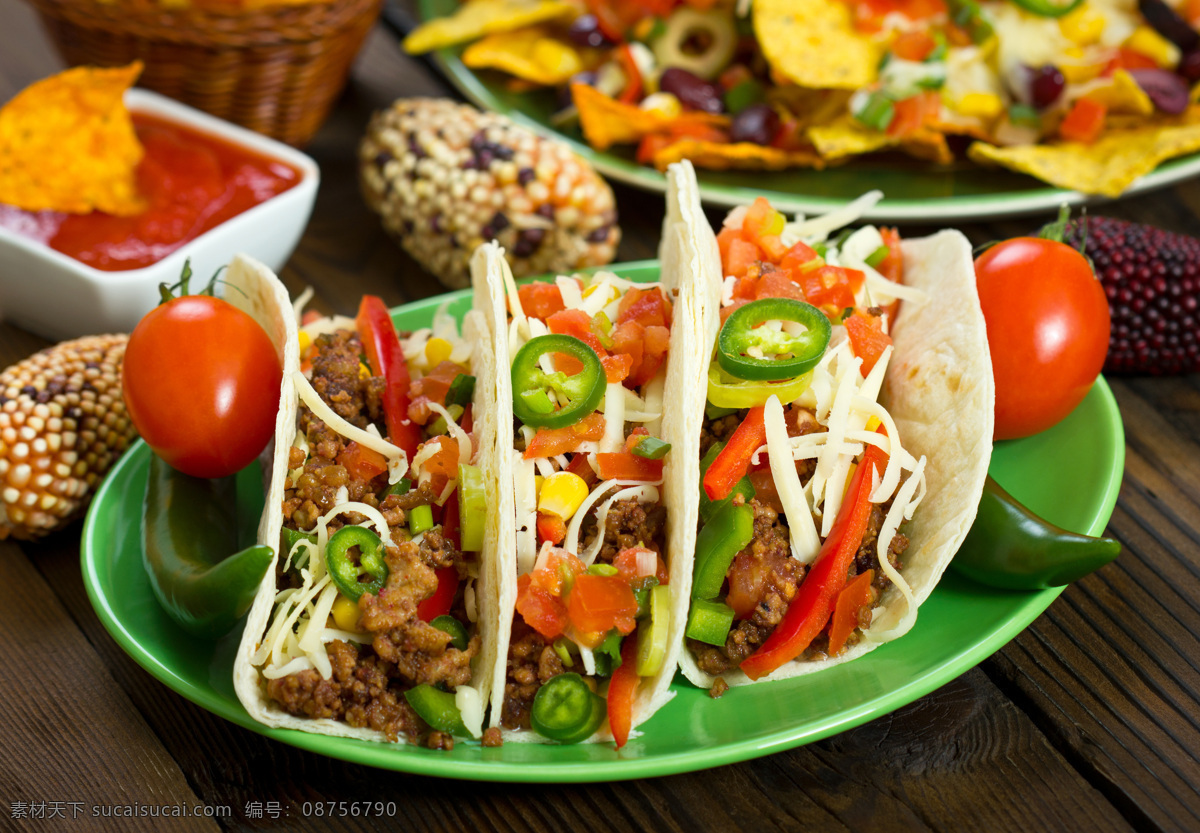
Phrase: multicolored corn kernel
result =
(62, 425)
(446, 177)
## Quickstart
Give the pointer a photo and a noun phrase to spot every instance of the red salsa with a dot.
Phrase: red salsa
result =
(191, 181)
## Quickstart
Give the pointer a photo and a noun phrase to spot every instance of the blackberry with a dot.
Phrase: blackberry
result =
(1152, 280)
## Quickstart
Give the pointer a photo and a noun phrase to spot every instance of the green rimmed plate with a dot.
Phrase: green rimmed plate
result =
(913, 191)
(1069, 474)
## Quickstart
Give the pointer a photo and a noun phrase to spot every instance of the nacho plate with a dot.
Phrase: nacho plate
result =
(957, 193)
(691, 732)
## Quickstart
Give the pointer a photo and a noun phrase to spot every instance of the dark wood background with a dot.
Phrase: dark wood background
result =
(1089, 720)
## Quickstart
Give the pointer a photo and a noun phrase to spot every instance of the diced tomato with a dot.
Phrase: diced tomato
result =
(440, 602)
(1084, 122)
(616, 368)
(892, 265)
(540, 299)
(310, 315)
(831, 287)
(635, 437)
(628, 338)
(1191, 11)
(575, 322)
(601, 603)
(790, 135)
(764, 488)
(431, 387)
(725, 238)
(913, 45)
(648, 307)
(655, 342)
(1127, 59)
(728, 309)
(799, 257)
(742, 255)
(445, 460)
(557, 576)
(621, 689)
(362, 463)
(580, 467)
(551, 528)
(912, 113)
(541, 610)
(854, 596)
(869, 14)
(625, 466)
(633, 75)
(733, 75)
(761, 219)
(626, 563)
(651, 145)
(549, 442)
(776, 283)
(867, 338)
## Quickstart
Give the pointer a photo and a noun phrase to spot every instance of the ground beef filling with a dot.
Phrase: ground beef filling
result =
(531, 663)
(367, 686)
(764, 578)
(630, 523)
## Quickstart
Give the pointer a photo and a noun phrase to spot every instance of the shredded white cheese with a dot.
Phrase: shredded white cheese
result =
(805, 543)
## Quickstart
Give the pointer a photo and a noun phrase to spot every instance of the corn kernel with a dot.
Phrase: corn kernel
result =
(305, 341)
(1154, 46)
(1084, 26)
(438, 350)
(983, 105)
(345, 613)
(873, 424)
(538, 480)
(561, 494)
(664, 103)
(364, 372)
(1075, 69)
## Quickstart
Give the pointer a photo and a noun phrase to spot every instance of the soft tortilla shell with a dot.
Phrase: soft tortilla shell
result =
(940, 392)
(247, 681)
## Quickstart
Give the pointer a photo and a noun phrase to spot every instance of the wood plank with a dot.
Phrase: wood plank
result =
(65, 717)
(1110, 672)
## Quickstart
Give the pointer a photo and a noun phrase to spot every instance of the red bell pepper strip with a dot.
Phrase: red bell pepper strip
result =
(810, 610)
(620, 694)
(622, 465)
(731, 464)
(634, 85)
(439, 603)
(845, 611)
(386, 357)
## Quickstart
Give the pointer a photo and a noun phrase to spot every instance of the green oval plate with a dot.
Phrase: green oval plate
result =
(913, 191)
(1069, 474)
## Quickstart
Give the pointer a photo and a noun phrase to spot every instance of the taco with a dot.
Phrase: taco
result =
(846, 438)
(595, 481)
(376, 619)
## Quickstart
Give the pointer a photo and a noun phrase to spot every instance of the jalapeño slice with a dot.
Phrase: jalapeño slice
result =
(582, 392)
(566, 709)
(784, 356)
(345, 572)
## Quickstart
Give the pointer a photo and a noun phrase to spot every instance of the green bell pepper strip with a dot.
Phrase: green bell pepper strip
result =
(420, 518)
(437, 708)
(1012, 548)
(461, 390)
(567, 710)
(787, 356)
(457, 631)
(1048, 8)
(709, 621)
(472, 508)
(342, 569)
(723, 537)
(290, 537)
(709, 507)
(188, 548)
(724, 391)
(652, 633)
(583, 391)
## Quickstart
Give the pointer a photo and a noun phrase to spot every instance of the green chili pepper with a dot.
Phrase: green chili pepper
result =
(709, 621)
(743, 94)
(1048, 8)
(345, 572)
(457, 631)
(472, 507)
(709, 507)
(876, 257)
(290, 537)
(652, 632)
(722, 538)
(583, 391)
(461, 390)
(400, 487)
(651, 448)
(566, 709)
(726, 392)
(786, 356)
(437, 708)
(189, 530)
(1012, 548)
(877, 111)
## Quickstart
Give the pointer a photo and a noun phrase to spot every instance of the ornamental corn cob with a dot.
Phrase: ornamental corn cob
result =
(446, 177)
(62, 424)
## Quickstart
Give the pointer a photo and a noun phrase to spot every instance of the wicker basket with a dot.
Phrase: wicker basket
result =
(275, 70)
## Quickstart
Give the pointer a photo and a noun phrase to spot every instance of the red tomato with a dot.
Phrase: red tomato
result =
(201, 382)
(1048, 328)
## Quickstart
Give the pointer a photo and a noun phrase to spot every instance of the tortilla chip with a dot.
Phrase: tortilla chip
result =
(530, 54)
(67, 144)
(847, 137)
(477, 18)
(607, 122)
(814, 43)
(742, 155)
(1109, 165)
(1123, 95)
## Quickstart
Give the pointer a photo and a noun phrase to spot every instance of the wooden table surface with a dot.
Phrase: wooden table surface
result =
(1088, 720)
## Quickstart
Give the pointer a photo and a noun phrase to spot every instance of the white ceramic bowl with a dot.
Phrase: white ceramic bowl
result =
(58, 297)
